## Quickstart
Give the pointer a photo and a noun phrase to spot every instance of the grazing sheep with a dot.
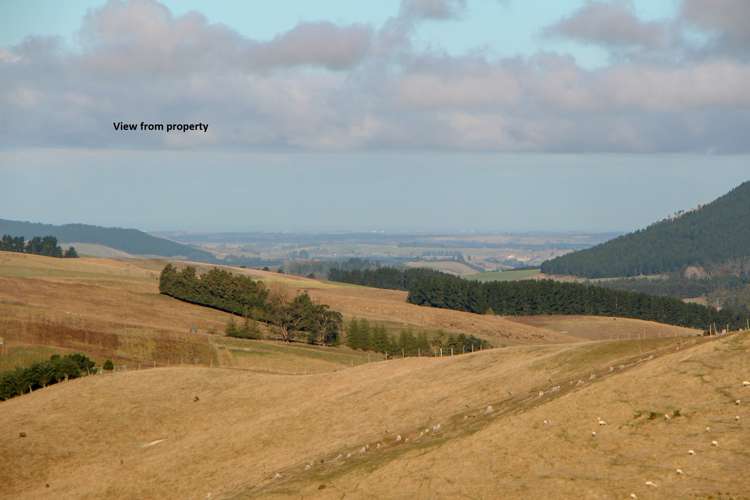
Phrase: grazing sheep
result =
(541, 393)
(600, 421)
(348, 455)
(667, 417)
(737, 402)
(436, 427)
(714, 443)
(691, 452)
(378, 446)
(634, 496)
(708, 429)
(277, 476)
(593, 433)
(737, 418)
(679, 471)
(489, 410)
(651, 483)
(363, 449)
(546, 422)
(398, 438)
(308, 466)
(745, 383)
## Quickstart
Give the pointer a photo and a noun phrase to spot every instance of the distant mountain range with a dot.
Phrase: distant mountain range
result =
(707, 236)
(131, 241)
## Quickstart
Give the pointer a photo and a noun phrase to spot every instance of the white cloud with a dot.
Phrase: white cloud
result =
(321, 86)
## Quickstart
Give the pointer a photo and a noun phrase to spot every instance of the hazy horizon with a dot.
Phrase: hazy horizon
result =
(426, 115)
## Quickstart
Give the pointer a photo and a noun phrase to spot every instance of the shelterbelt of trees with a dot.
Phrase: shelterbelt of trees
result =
(534, 297)
(44, 373)
(714, 233)
(46, 245)
(244, 296)
(373, 337)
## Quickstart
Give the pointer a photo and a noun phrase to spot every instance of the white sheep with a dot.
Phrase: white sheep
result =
(600, 421)
(651, 483)
(714, 443)
(679, 471)
(737, 418)
(398, 438)
(489, 410)
(708, 429)
(436, 427)
(745, 383)
(737, 402)
(691, 452)
(593, 433)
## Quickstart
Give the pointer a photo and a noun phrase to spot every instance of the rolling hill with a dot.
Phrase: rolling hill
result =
(711, 234)
(232, 418)
(514, 422)
(130, 241)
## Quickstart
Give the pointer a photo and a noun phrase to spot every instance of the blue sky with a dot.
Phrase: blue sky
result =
(403, 114)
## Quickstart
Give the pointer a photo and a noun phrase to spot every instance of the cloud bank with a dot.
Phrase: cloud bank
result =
(327, 87)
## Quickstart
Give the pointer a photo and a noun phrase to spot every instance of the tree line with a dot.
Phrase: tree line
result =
(362, 335)
(534, 297)
(44, 373)
(45, 245)
(241, 295)
(713, 233)
(382, 277)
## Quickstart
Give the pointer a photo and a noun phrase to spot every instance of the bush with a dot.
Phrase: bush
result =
(108, 365)
(248, 330)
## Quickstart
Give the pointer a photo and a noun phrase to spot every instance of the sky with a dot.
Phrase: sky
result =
(456, 115)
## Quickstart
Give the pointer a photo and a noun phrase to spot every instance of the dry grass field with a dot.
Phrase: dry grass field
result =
(447, 266)
(503, 423)
(268, 420)
(112, 309)
(599, 328)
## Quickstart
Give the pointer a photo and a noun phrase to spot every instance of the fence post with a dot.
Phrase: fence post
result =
(451, 351)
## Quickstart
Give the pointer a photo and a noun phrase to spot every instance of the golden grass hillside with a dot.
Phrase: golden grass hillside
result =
(504, 423)
(112, 309)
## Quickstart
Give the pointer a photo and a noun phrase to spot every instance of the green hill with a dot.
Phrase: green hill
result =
(132, 241)
(711, 234)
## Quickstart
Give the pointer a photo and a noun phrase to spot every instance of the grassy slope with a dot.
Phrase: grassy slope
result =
(253, 435)
(112, 309)
(513, 275)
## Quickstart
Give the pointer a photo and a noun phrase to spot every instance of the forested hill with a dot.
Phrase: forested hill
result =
(711, 234)
(132, 241)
